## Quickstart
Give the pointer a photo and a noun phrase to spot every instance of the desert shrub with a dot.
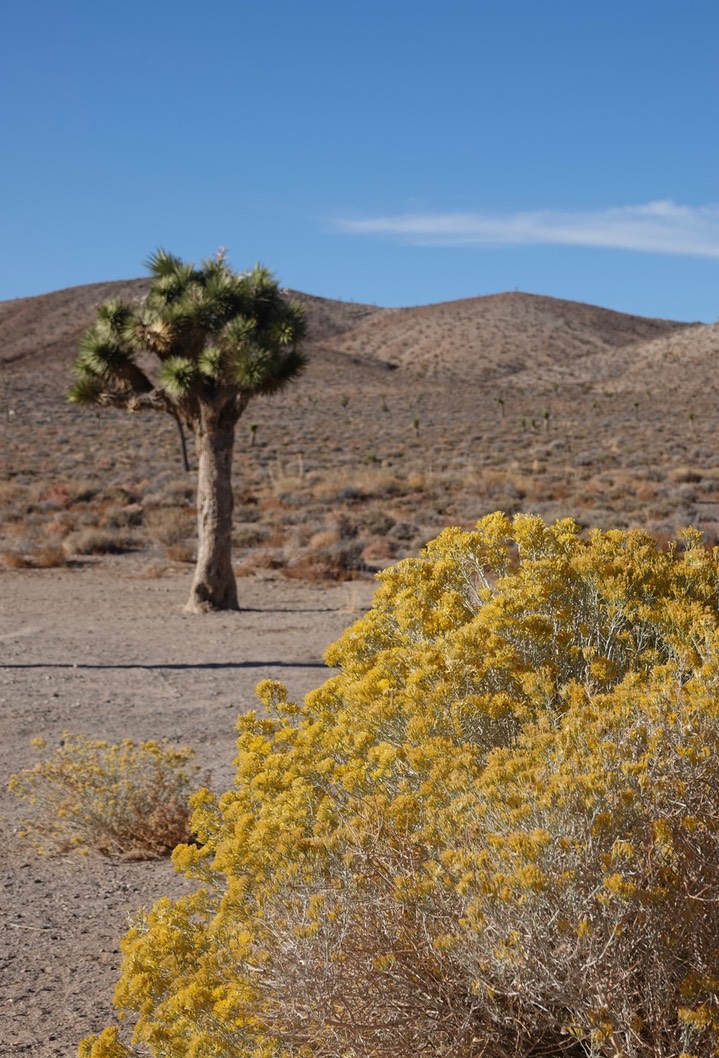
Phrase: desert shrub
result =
(92, 541)
(11, 559)
(259, 561)
(494, 832)
(170, 525)
(333, 564)
(331, 554)
(57, 495)
(125, 800)
(49, 556)
(377, 521)
(180, 553)
(325, 538)
(128, 516)
(249, 534)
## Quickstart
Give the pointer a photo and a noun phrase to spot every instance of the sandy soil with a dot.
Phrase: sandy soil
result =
(105, 651)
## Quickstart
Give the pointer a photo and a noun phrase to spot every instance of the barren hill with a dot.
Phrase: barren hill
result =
(50, 325)
(504, 334)
(483, 338)
(680, 362)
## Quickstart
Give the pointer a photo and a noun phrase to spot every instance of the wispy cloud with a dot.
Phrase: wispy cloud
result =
(656, 227)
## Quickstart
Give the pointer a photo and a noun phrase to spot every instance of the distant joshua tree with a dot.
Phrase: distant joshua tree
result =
(220, 339)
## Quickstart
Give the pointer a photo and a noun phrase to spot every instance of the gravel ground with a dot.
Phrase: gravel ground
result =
(104, 651)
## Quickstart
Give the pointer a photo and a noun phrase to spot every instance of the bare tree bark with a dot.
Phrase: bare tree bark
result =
(214, 586)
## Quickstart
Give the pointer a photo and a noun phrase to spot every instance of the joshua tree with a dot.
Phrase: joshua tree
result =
(220, 339)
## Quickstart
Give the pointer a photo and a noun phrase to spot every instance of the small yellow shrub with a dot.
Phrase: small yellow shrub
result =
(495, 831)
(129, 800)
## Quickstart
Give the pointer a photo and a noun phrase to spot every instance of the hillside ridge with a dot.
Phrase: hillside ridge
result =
(488, 336)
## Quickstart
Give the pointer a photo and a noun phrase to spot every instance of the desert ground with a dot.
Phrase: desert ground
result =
(108, 653)
(407, 420)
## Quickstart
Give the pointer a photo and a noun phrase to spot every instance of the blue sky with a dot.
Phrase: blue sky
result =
(397, 152)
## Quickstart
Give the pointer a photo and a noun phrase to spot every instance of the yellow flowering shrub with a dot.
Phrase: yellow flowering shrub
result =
(127, 799)
(495, 831)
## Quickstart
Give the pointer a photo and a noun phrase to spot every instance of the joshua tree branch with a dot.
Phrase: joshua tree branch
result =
(154, 400)
(183, 443)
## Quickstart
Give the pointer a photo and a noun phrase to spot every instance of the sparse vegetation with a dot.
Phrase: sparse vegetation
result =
(601, 462)
(172, 527)
(99, 542)
(126, 800)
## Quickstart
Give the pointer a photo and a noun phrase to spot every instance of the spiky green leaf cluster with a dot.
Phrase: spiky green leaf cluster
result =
(219, 336)
(87, 390)
(179, 376)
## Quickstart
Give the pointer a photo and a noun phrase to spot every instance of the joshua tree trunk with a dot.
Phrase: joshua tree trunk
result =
(214, 586)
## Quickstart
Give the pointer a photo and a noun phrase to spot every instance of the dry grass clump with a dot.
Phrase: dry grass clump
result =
(49, 556)
(35, 553)
(246, 535)
(684, 475)
(259, 562)
(127, 800)
(129, 516)
(324, 539)
(14, 560)
(93, 541)
(180, 553)
(10, 492)
(170, 525)
(170, 491)
(340, 564)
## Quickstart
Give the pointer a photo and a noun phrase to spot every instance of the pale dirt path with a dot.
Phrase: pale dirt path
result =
(106, 652)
